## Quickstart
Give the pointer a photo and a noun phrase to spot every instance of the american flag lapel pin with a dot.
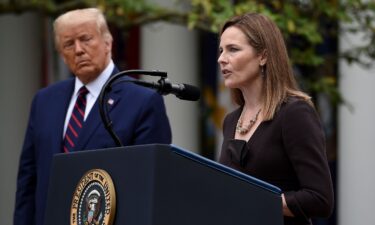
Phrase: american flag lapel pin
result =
(111, 101)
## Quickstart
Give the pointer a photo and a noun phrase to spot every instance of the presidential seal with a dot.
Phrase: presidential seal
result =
(94, 200)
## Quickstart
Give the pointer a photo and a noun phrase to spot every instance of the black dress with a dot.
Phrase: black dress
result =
(289, 152)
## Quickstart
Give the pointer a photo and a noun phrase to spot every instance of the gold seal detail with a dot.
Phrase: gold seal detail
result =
(94, 200)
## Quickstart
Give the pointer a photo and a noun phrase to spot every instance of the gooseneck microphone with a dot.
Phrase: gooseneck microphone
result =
(163, 86)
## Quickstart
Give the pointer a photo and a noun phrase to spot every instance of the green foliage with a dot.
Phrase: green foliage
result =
(305, 24)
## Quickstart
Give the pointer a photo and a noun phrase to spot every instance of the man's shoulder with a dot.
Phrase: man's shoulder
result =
(58, 86)
(55, 91)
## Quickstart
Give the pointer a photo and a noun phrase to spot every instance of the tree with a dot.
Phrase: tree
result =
(308, 26)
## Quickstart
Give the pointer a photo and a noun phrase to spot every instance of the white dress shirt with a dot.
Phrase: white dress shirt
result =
(94, 89)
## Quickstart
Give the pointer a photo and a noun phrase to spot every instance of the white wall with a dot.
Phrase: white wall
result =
(20, 54)
(356, 141)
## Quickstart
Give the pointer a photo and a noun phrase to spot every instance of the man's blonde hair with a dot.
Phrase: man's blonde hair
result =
(82, 15)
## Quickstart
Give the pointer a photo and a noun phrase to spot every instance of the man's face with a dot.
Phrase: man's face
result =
(84, 49)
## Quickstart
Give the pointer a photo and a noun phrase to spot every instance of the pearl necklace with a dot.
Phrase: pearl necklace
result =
(245, 129)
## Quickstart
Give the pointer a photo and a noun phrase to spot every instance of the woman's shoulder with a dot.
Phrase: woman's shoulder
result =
(293, 106)
(294, 102)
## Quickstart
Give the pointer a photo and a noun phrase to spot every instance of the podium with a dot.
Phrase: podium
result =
(160, 184)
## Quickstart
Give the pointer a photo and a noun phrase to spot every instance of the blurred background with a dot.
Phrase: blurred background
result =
(331, 45)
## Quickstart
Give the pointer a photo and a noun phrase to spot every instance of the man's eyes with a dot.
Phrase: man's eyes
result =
(85, 38)
(68, 44)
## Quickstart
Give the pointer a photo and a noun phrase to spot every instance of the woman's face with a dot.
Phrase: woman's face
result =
(238, 60)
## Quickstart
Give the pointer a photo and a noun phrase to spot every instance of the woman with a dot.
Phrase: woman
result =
(275, 134)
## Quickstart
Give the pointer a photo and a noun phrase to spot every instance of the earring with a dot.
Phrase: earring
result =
(263, 71)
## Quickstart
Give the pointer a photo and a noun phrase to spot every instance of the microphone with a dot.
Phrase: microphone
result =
(164, 87)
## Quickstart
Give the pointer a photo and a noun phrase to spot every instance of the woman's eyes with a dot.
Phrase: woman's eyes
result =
(230, 49)
(233, 49)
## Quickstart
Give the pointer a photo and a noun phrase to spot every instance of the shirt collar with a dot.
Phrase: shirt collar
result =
(96, 85)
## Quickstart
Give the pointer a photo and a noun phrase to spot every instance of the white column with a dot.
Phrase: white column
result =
(20, 70)
(356, 141)
(174, 48)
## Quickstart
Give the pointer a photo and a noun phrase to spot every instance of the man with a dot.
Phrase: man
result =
(64, 118)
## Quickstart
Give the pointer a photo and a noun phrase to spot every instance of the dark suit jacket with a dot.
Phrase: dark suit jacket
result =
(138, 116)
(289, 152)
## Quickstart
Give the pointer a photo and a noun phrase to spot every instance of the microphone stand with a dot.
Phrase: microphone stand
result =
(107, 87)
